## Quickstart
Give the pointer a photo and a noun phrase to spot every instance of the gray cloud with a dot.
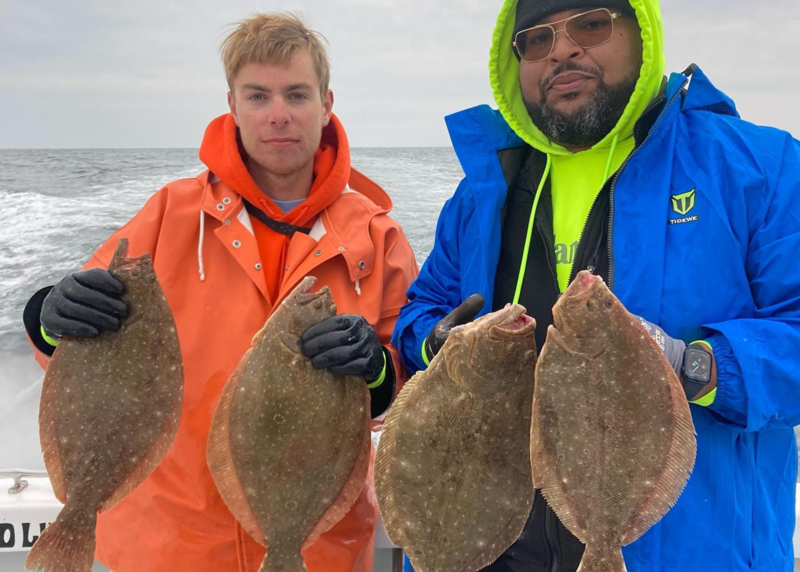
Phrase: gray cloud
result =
(100, 73)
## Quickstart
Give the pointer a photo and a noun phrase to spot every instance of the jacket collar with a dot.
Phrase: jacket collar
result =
(696, 93)
(350, 219)
(478, 135)
(345, 223)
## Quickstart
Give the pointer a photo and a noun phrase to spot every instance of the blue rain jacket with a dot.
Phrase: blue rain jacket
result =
(726, 271)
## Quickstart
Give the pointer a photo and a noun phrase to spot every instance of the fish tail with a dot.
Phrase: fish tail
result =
(66, 545)
(274, 562)
(602, 558)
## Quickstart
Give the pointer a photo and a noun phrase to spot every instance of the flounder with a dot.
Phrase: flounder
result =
(612, 439)
(452, 473)
(109, 412)
(290, 446)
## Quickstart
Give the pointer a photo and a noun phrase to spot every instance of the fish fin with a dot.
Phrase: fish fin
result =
(393, 522)
(152, 458)
(543, 474)
(220, 459)
(546, 479)
(355, 482)
(681, 456)
(600, 558)
(48, 433)
(269, 564)
(63, 547)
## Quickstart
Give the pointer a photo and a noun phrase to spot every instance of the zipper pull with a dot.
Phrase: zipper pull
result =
(592, 266)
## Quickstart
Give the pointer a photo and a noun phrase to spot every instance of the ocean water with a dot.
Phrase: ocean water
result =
(58, 206)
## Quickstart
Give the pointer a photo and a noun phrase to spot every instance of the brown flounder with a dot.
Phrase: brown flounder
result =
(452, 473)
(109, 412)
(290, 445)
(612, 439)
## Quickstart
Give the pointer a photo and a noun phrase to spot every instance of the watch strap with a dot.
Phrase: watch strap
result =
(707, 399)
(692, 388)
(704, 343)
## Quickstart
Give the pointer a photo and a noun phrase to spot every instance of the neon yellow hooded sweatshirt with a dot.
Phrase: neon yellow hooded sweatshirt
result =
(576, 178)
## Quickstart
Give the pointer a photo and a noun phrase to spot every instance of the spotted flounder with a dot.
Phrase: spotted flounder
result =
(109, 412)
(452, 473)
(290, 445)
(612, 439)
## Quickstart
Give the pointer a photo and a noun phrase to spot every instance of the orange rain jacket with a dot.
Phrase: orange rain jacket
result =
(176, 520)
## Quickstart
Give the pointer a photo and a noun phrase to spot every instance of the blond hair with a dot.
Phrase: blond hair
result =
(274, 39)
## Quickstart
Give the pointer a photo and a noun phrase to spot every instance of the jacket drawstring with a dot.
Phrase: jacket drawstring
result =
(200, 246)
(611, 157)
(524, 263)
(200, 266)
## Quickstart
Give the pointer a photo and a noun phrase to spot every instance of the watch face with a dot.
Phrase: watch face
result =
(697, 365)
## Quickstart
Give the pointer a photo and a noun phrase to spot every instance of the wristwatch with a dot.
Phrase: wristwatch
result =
(696, 371)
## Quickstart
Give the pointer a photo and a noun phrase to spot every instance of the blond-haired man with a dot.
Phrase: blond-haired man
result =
(278, 202)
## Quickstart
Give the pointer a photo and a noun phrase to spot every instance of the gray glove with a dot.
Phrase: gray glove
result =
(673, 349)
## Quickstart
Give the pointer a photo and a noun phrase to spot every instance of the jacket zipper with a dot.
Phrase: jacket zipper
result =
(580, 241)
(553, 274)
(614, 185)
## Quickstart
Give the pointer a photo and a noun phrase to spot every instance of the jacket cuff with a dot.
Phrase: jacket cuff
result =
(729, 373)
(33, 325)
(381, 396)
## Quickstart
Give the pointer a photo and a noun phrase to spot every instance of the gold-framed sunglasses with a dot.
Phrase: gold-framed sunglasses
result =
(586, 30)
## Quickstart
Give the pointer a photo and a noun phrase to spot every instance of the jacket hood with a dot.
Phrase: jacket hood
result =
(220, 151)
(504, 77)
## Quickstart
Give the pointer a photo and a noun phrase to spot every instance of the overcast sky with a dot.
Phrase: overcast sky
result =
(147, 73)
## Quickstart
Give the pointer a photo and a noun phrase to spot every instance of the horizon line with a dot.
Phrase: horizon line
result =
(198, 148)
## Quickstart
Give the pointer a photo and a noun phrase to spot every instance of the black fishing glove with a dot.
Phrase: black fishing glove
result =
(346, 345)
(464, 314)
(84, 304)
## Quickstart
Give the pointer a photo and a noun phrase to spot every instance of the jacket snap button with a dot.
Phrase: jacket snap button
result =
(362, 265)
(342, 249)
(318, 253)
(226, 200)
(258, 266)
(220, 207)
(228, 222)
(236, 244)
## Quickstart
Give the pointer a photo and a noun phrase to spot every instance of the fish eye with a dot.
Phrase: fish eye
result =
(608, 304)
(590, 304)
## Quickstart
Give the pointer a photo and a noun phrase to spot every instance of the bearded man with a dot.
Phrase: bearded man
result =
(595, 161)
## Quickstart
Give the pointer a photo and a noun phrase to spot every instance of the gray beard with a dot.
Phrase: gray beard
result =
(588, 125)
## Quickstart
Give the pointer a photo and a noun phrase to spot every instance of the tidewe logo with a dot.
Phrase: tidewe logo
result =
(683, 204)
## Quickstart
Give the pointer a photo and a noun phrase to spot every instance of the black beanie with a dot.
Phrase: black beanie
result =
(530, 12)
